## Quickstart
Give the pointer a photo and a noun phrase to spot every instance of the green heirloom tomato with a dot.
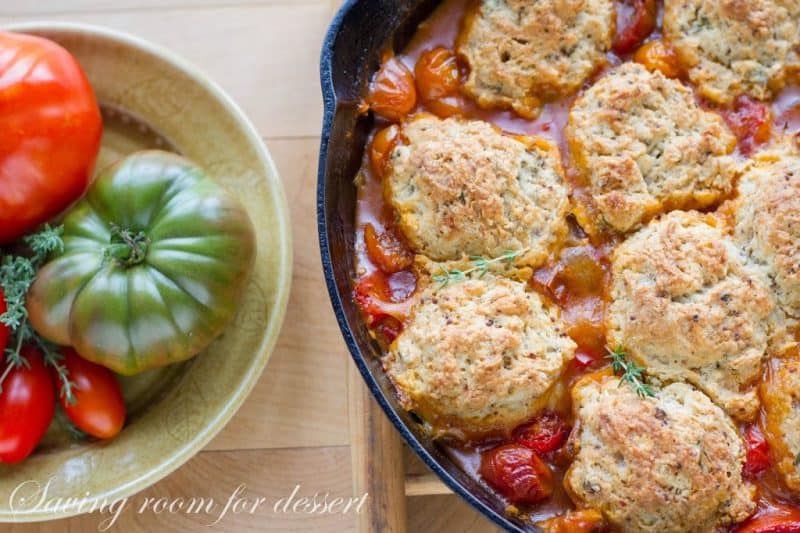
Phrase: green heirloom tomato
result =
(155, 260)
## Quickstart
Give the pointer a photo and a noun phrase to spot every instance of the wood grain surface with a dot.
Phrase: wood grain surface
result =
(293, 431)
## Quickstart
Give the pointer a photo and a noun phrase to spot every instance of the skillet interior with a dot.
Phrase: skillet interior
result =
(360, 32)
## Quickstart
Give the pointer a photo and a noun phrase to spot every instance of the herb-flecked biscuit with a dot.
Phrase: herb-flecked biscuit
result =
(670, 463)
(521, 52)
(781, 397)
(735, 47)
(644, 147)
(464, 188)
(687, 305)
(479, 354)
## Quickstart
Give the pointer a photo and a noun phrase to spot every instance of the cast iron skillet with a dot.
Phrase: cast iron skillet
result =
(350, 55)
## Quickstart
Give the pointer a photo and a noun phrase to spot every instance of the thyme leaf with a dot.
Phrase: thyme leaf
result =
(630, 373)
(17, 273)
(480, 264)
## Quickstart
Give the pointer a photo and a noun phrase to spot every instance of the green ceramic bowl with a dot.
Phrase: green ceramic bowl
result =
(152, 99)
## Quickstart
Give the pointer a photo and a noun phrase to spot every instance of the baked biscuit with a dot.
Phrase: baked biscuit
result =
(464, 188)
(686, 305)
(478, 355)
(521, 52)
(672, 463)
(735, 47)
(644, 147)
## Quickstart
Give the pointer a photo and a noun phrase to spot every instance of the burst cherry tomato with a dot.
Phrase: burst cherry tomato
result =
(27, 405)
(545, 434)
(392, 93)
(99, 409)
(49, 132)
(386, 250)
(437, 74)
(750, 121)
(517, 473)
(642, 22)
(374, 296)
(773, 518)
(757, 453)
(381, 148)
(658, 56)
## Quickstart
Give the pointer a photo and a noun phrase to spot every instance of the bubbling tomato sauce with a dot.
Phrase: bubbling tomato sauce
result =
(426, 77)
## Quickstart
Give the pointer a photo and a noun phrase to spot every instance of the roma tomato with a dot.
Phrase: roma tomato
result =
(155, 261)
(49, 133)
(517, 473)
(546, 434)
(27, 405)
(99, 409)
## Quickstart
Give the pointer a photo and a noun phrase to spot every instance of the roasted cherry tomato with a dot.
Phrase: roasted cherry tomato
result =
(49, 132)
(773, 518)
(4, 332)
(381, 148)
(584, 521)
(750, 121)
(658, 56)
(437, 74)
(374, 296)
(641, 23)
(517, 473)
(27, 405)
(546, 434)
(99, 409)
(757, 453)
(386, 250)
(392, 93)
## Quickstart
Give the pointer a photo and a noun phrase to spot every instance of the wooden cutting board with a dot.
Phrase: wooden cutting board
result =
(294, 429)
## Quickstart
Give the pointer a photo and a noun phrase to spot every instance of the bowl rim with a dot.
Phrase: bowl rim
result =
(284, 242)
(330, 110)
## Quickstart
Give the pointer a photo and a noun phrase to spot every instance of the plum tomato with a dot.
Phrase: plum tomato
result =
(27, 405)
(99, 409)
(392, 93)
(758, 459)
(546, 434)
(517, 473)
(658, 56)
(772, 518)
(49, 133)
(381, 148)
(386, 250)
(750, 121)
(437, 74)
(640, 23)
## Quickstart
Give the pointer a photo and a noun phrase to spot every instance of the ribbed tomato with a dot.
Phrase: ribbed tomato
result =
(49, 133)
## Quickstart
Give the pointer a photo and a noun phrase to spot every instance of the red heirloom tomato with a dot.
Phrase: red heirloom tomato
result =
(517, 473)
(27, 404)
(99, 409)
(50, 130)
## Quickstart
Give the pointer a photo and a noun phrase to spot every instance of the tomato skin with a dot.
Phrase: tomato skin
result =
(546, 434)
(641, 24)
(758, 459)
(27, 405)
(392, 93)
(517, 473)
(99, 409)
(774, 518)
(49, 135)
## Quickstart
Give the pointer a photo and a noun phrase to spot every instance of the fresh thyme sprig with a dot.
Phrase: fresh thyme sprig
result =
(17, 273)
(446, 276)
(629, 372)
